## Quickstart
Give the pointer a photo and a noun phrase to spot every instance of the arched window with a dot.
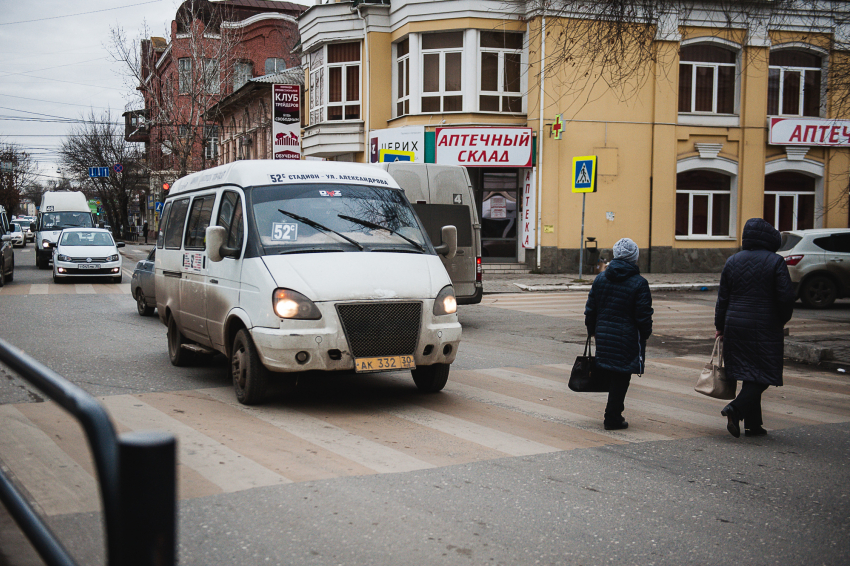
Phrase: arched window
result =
(794, 83)
(707, 79)
(789, 200)
(703, 203)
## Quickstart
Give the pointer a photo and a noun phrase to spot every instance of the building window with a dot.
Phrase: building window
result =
(317, 80)
(442, 72)
(403, 78)
(212, 82)
(794, 83)
(501, 64)
(184, 75)
(275, 65)
(789, 200)
(707, 79)
(702, 203)
(211, 137)
(243, 71)
(343, 81)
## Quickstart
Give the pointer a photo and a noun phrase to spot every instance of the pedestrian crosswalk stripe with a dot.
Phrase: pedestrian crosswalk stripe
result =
(219, 464)
(371, 454)
(66, 289)
(55, 481)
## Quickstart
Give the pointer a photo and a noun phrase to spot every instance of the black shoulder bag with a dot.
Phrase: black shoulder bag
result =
(583, 377)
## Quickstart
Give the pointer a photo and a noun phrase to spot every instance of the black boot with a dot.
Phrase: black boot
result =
(755, 431)
(732, 420)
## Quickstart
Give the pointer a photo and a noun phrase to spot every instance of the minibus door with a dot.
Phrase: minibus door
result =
(193, 319)
(223, 277)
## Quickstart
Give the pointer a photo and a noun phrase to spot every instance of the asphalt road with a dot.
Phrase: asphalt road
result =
(506, 466)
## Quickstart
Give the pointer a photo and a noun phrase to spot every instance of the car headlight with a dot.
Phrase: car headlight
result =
(63, 257)
(445, 303)
(113, 257)
(292, 304)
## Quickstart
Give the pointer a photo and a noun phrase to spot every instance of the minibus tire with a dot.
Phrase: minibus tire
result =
(250, 376)
(178, 355)
(431, 379)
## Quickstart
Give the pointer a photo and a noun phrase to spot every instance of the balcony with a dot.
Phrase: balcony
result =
(136, 126)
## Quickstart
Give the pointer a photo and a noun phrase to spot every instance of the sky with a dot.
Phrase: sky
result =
(55, 64)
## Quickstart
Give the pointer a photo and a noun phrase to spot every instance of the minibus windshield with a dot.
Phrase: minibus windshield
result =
(332, 217)
(59, 220)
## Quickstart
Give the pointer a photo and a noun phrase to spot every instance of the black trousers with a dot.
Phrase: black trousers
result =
(619, 382)
(748, 403)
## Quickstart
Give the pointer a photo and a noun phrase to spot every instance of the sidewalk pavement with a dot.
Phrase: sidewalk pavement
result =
(826, 350)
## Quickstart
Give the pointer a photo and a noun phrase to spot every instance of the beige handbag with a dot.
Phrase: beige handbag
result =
(712, 381)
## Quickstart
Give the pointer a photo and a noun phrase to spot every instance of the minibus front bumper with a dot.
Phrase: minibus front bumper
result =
(323, 344)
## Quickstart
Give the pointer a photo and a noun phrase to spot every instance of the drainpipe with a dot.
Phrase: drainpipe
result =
(540, 141)
(366, 75)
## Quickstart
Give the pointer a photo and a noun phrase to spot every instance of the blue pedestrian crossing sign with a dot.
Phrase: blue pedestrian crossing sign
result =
(98, 172)
(584, 174)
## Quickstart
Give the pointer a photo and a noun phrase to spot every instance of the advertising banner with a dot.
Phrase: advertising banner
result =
(286, 121)
(397, 144)
(529, 234)
(484, 147)
(809, 131)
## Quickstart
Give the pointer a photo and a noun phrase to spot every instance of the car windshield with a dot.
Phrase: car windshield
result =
(319, 217)
(59, 220)
(86, 239)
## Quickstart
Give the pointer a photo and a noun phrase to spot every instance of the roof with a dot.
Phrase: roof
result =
(262, 172)
(264, 4)
(293, 76)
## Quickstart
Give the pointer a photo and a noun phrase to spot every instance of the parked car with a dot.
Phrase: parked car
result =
(24, 223)
(819, 264)
(7, 255)
(18, 238)
(86, 252)
(142, 285)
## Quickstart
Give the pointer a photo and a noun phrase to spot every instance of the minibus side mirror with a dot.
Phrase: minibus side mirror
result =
(33, 227)
(449, 246)
(215, 238)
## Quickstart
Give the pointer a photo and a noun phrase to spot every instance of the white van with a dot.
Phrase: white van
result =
(442, 195)
(58, 210)
(290, 266)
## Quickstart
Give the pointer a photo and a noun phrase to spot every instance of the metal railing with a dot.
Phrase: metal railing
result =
(135, 471)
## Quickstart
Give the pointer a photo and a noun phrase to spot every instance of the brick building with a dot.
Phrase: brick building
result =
(214, 49)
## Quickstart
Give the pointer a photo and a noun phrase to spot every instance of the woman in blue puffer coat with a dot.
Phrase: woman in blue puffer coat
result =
(619, 314)
(756, 299)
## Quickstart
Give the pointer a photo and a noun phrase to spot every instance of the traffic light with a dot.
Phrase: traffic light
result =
(166, 186)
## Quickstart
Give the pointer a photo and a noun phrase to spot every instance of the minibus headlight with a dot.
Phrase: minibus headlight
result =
(445, 303)
(292, 304)
(45, 244)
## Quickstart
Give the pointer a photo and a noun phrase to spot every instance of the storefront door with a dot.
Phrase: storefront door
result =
(496, 193)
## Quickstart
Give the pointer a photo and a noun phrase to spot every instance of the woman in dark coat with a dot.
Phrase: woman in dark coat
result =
(756, 299)
(619, 314)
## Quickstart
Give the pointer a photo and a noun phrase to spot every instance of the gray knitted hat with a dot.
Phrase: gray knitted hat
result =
(626, 250)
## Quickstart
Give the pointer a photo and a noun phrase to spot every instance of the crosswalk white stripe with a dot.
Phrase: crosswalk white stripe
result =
(38, 289)
(365, 452)
(57, 483)
(219, 464)
(466, 430)
(84, 289)
(546, 412)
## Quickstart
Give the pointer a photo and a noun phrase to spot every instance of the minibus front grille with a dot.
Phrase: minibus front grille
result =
(381, 329)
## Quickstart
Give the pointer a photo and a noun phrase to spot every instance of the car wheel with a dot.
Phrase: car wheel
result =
(118, 278)
(42, 263)
(178, 355)
(57, 279)
(2, 275)
(11, 276)
(430, 379)
(141, 304)
(818, 292)
(250, 376)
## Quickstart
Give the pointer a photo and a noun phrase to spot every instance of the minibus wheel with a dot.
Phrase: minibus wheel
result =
(430, 379)
(250, 376)
(176, 352)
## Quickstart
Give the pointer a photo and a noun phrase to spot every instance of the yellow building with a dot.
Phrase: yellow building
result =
(720, 124)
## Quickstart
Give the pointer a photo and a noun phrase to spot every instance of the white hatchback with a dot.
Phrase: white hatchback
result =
(86, 252)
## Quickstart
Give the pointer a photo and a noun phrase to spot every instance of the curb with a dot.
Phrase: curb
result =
(654, 287)
(807, 352)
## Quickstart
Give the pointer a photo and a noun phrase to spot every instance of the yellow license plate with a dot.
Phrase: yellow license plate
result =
(383, 364)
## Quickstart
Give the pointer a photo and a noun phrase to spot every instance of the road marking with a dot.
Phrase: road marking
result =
(224, 467)
(365, 452)
(84, 289)
(57, 483)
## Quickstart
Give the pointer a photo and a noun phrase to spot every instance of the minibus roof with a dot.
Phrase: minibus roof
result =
(261, 172)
